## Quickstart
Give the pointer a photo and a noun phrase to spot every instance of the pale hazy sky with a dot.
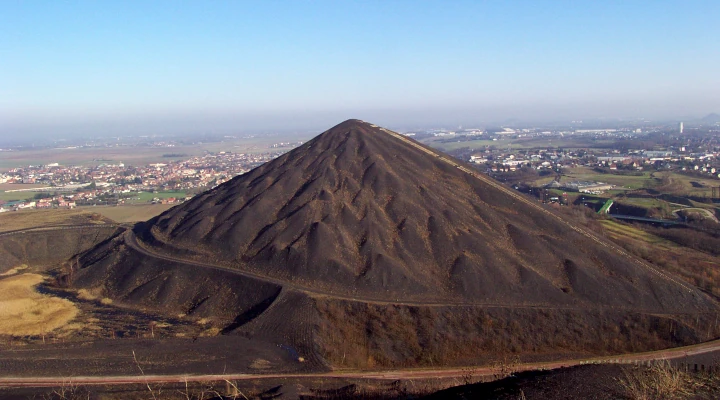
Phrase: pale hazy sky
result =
(126, 67)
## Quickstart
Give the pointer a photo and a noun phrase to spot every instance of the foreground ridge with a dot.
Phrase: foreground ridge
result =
(635, 358)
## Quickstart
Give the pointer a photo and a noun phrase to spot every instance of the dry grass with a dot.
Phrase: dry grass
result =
(87, 294)
(699, 268)
(661, 381)
(618, 230)
(15, 270)
(68, 391)
(93, 294)
(25, 312)
(11, 221)
(681, 185)
(372, 336)
(214, 331)
(261, 364)
(132, 213)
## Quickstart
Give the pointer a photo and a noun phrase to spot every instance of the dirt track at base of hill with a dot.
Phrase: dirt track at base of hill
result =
(132, 241)
(638, 358)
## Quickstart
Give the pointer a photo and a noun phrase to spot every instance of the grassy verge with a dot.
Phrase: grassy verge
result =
(15, 220)
(132, 213)
(619, 231)
(24, 311)
(14, 196)
(699, 268)
(665, 381)
(624, 181)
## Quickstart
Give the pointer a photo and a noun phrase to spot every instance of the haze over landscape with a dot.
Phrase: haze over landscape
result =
(165, 67)
(359, 200)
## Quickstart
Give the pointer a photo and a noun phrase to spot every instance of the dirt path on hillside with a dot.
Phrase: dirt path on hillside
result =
(132, 241)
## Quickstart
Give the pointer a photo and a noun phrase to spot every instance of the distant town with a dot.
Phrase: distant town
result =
(510, 154)
(55, 185)
(528, 154)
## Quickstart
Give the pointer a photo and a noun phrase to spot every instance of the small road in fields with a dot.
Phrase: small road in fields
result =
(51, 228)
(708, 214)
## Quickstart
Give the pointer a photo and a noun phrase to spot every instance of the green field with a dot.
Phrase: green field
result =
(587, 174)
(665, 182)
(5, 196)
(623, 181)
(12, 196)
(618, 229)
(682, 185)
(697, 204)
(139, 198)
(645, 202)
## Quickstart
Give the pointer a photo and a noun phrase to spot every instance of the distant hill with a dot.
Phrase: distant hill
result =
(389, 253)
(712, 118)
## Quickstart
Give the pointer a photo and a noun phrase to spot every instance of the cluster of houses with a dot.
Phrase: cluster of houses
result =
(499, 161)
(70, 186)
(193, 173)
(581, 186)
(45, 203)
(169, 200)
(706, 163)
(72, 200)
